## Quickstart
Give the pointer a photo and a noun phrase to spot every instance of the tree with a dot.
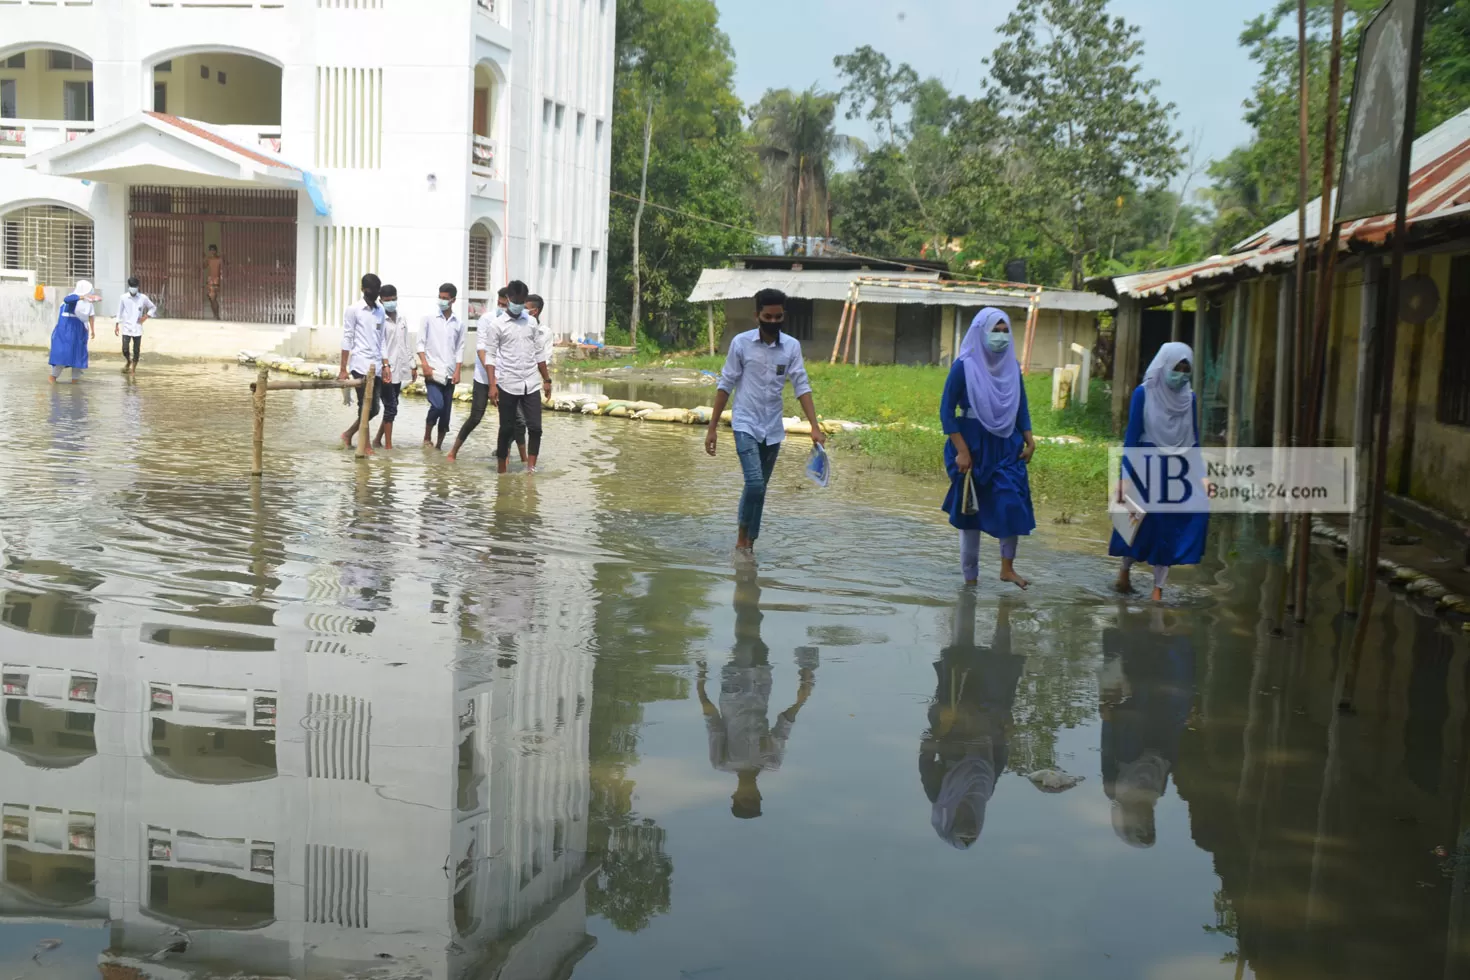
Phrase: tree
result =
(795, 140)
(676, 138)
(1067, 83)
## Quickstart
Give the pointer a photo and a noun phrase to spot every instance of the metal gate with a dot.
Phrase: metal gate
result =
(254, 231)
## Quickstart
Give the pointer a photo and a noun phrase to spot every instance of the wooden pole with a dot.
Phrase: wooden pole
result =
(854, 323)
(257, 444)
(857, 359)
(1368, 355)
(709, 312)
(842, 321)
(1234, 393)
(1032, 310)
(364, 418)
(1176, 318)
(1322, 312)
(1299, 321)
(309, 385)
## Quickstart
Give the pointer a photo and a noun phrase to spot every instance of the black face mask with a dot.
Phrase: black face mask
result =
(771, 326)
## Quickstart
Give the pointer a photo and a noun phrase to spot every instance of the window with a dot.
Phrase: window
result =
(479, 263)
(16, 61)
(561, 112)
(576, 258)
(799, 316)
(581, 123)
(1454, 368)
(593, 266)
(10, 258)
(160, 97)
(164, 66)
(76, 101)
(555, 257)
(204, 72)
(597, 132)
(66, 61)
(545, 250)
(220, 76)
(7, 99)
(545, 113)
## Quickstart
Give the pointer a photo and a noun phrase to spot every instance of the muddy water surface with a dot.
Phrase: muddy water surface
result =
(408, 719)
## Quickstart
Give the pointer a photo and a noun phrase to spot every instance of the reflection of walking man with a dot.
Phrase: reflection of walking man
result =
(741, 740)
(214, 277)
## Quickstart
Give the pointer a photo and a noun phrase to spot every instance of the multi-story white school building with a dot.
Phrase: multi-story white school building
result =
(309, 141)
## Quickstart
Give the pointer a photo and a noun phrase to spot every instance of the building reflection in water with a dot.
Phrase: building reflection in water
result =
(1145, 693)
(742, 739)
(297, 814)
(966, 747)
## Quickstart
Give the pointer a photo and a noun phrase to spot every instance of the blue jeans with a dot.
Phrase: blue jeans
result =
(441, 404)
(757, 460)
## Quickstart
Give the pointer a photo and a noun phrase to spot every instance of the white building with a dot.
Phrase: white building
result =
(310, 141)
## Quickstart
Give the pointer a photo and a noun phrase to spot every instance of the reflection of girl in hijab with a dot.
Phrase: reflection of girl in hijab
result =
(966, 746)
(1147, 692)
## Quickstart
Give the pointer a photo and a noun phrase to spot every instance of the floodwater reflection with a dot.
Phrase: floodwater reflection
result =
(405, 718)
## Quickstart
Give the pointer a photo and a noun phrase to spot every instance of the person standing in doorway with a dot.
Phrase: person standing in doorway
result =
(400, 362)
(441, 351)
(480, 397)
(514, 352)
(214, 277)
(362, 345)
(133, 310)
(757, 367)
(72, 331)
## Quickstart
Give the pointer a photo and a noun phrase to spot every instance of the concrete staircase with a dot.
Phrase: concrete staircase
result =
(209, 339)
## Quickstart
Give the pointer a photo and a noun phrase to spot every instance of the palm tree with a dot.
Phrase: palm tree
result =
(796, 142)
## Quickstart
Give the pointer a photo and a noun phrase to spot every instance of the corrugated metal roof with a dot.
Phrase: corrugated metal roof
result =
(833, 284)
(1439, 189)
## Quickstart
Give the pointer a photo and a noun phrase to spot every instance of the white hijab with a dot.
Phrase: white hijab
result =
(1168, 415)
(970, 783)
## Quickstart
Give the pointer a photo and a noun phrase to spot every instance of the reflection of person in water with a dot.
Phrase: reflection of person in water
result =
(966, 746)
(1146, 692)
(741, 739)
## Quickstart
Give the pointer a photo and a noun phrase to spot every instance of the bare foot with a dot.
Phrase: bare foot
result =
(450, 457)
(1158, 595)
(1124, 584)
(53, 380)
(972, 582)
(1010, 575)
(346, 440)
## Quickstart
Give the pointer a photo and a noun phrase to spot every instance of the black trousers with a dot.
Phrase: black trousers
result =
(528, 405)
(478, 401)
(377, 395)
(137, 343)
(390, 400)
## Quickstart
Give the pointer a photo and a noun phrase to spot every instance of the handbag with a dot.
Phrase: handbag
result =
(969, 500)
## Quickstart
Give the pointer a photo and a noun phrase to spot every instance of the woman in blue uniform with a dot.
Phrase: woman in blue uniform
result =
(1162, 414)
(984, 413)
(69, 336)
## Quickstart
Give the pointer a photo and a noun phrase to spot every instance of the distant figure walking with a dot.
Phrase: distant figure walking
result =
(757, 367)
(133, 310)
(214, 277)
(362, 346)
(441, 351)
(72, 332)
(984, 413)
(400, 360)
(1162, 413)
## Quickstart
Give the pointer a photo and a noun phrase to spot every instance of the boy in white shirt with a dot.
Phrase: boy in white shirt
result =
(400, 360)
(133, 310)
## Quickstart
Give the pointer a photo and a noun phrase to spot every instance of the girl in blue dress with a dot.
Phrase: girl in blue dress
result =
(984, 413)
(69, 336)
(1162, 414)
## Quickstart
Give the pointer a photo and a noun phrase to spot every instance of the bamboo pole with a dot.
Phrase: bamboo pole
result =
(1299, 321)
(1369, 319)
(364, 434)
(257, 442)
(842, 322)
(854, 322)
(709, 312)
(1032, 315)
(857, 359)
(309, 385)
(1322, 312)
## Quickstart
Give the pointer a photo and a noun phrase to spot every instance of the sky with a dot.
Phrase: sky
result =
(1191, 47)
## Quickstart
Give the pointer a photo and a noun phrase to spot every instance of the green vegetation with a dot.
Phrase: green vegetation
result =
(903, 402)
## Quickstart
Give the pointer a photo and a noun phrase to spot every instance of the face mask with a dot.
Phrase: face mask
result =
(1176, 379)
(445, 304)
(390, 305)
(774, 326)
(515, 309)
(997, 341)
(132, 290)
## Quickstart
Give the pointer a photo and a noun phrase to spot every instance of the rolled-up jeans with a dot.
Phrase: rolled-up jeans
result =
(757, 461)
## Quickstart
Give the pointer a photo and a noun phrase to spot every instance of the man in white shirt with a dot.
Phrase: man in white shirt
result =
(757, 367)
(441, 352)
(480, 393)
(362, 345)
(133, 310)
(513, 349)
(400, 362)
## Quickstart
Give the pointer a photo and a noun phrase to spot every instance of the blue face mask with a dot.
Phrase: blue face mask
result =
(515, 309)
(445, 304)
(390, 305)
(1176, 379)
(997, 341)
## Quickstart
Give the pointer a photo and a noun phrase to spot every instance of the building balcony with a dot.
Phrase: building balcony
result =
(264, 137)
(482, 156)
(21, 137)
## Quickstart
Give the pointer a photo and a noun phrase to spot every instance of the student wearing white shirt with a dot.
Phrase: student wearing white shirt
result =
(362, 345)
(133, 310)
(480, 395)
(514, 353)
(441, 352)
(757, 367)
(400, 362)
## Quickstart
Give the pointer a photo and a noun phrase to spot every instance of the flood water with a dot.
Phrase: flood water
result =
(408, 719)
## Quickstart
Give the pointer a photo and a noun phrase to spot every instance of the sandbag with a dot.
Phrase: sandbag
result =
(682, 415)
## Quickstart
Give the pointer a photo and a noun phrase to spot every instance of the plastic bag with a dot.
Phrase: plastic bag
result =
(819, 466)
(969, 501)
